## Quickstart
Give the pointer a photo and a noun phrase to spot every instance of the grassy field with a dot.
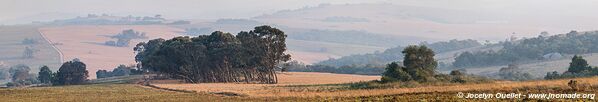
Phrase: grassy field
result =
(124, 91)
(11, 48)
(350, 90)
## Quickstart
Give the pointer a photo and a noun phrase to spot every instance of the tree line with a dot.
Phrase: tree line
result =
(393, 54)
(368, 69)
(121, 70)
(70, 73)
(250, 57)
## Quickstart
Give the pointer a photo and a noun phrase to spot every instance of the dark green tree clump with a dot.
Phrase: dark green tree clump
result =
(578, 67)
(220, 57)
(45, 75)
(71, 73)
(419, 65)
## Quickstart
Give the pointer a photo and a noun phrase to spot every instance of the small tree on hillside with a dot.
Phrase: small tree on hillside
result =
(420, 63)
(45, 75)
(71, 73)
(578, 65)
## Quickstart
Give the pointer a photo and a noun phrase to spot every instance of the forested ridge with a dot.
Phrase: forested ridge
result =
(374, 63)
(519, 51)
(393, 54)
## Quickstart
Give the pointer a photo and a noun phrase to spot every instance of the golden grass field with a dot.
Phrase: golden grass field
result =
(293, 87)
(271, 90)
(297, 85)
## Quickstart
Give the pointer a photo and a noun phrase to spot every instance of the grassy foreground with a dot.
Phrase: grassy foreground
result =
(119, 89)
(97, 92)
(133, 92)
(117, 92)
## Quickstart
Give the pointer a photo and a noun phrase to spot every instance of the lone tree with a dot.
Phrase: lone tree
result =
(71, 73)
(45, 75)
(419, 65)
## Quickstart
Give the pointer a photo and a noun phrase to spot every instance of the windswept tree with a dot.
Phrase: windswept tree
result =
(219, 57)
(45, 75)
(71, 73)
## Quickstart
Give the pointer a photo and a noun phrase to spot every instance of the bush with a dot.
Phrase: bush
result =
(513, 72)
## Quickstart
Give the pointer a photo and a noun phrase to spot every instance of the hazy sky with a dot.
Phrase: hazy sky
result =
(212, 9)
(185, 9)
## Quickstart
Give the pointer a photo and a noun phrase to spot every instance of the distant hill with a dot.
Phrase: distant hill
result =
(105, 19)
(311, 45)
(439, 24)
(531, 50)
(394, 54)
